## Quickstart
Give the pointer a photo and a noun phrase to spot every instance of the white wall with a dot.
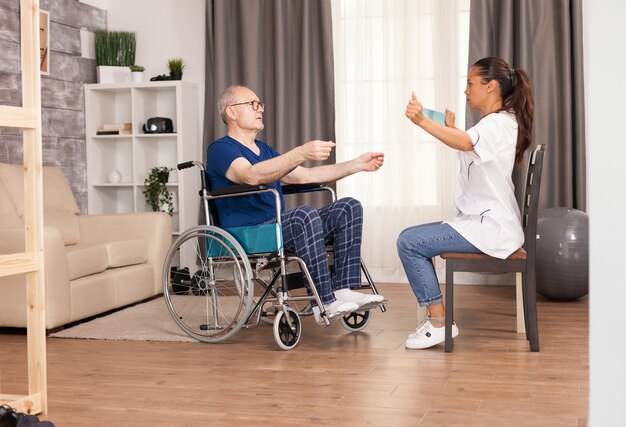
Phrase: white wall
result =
(165, 29)
(605, 92)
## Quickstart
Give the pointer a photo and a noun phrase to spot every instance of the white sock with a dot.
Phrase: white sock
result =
(345, 294)
(438, 322)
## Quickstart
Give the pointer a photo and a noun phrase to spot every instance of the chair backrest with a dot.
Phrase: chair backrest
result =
(530, 204)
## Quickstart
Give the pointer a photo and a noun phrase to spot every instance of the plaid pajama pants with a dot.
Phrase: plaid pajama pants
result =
(306, 231)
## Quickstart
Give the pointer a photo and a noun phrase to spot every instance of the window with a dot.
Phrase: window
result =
(384, 50)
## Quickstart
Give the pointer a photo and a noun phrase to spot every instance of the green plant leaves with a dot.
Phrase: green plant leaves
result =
(156, 192)
(115, 48)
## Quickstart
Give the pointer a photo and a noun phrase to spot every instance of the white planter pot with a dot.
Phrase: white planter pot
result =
(137, 76)
(107, 74)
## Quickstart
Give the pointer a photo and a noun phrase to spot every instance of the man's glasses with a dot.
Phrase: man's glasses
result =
(255, 104)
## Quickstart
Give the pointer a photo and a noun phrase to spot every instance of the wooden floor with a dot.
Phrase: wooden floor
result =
(333, 377)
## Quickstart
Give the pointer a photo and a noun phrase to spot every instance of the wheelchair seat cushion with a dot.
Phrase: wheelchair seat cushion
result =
(255, 239)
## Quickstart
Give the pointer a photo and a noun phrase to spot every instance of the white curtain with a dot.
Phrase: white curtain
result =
(384, 50)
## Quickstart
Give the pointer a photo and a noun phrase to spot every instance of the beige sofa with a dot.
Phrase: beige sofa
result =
(92, 263)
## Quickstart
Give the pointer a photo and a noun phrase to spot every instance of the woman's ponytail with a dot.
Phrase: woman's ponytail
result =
(520, 100)
(517, 97)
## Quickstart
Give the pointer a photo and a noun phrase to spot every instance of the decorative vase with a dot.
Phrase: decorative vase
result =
(114, 177)
(137, 76)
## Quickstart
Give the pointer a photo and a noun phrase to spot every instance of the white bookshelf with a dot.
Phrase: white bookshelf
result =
(135, 154)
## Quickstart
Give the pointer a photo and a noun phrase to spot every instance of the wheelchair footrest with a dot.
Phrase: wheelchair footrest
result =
(371, 305)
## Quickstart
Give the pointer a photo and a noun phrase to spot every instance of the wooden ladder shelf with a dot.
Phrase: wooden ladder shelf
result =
(30, 262)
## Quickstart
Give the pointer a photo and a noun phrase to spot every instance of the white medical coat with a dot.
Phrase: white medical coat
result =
(486, 211)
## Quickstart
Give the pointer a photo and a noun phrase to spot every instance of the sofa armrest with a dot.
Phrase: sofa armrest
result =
(154, 227)
(56, 277)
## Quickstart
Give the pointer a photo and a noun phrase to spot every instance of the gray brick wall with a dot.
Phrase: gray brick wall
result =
(62, 95)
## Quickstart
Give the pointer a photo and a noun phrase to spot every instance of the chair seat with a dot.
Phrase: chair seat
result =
(519, 254)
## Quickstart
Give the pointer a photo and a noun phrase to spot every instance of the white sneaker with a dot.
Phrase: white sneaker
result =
(364, 301)
(334, 309)
(427, 335)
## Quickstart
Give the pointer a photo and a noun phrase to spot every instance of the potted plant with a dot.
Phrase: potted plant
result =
(176, 65)
(156, 193)
(137, 73)
(115, 52)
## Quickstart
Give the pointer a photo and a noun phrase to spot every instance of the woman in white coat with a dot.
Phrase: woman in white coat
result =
(487, 217)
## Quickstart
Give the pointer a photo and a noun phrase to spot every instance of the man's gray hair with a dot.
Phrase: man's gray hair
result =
(227, 98)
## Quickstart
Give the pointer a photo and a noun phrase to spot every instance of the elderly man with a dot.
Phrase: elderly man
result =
(239, 158)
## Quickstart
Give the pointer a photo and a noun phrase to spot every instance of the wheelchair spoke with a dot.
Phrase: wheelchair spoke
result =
(208, 289)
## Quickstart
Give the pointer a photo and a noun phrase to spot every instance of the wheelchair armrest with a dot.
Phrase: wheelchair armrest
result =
(302, 188)
(308, 188)
(236, 189)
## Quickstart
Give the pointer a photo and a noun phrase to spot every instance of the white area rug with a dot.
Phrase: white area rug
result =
(149, 321)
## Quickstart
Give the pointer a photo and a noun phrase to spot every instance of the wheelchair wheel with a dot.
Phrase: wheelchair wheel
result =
(356, 320)
(287, 329)
(212, 299)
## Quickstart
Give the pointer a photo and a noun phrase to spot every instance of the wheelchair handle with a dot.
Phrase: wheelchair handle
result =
(187, 165)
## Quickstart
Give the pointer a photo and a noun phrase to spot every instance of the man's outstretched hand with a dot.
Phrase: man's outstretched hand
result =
(370, 162)
(316, 150)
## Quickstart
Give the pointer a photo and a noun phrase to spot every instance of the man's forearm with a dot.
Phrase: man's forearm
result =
(322, 174)
(272, 170)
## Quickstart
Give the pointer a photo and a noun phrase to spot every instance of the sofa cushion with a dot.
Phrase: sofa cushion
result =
(66, 223)
(59, 205)
(127, 252)
(57, 193)
(84, 260)
(8, 214)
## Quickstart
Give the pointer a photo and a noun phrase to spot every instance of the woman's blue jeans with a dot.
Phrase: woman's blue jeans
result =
(417, 246)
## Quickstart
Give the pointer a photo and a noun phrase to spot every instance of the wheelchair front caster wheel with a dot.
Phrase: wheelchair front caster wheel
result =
(287, 329)
(356, 320)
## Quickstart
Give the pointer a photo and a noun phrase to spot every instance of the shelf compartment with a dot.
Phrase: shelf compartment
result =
(154, 102)
(112, 198)
(156, 151)
(108, 106)
(107, 153)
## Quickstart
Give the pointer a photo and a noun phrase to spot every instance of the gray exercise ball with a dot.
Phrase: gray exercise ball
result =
(562, 263)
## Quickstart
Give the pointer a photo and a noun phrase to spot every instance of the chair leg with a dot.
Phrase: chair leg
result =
(449, 304)
(530, 307)
(519, 304)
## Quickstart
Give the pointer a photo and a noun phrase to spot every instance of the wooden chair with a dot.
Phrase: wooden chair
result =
(522, 261)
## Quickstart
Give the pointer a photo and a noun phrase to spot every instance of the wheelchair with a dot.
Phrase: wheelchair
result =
(210, 272)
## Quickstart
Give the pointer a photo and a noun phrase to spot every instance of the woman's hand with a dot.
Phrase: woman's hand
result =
(450, 118)
(414, 110)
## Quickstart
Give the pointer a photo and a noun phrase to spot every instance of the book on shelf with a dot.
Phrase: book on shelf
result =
(113, 132)
(117, 126)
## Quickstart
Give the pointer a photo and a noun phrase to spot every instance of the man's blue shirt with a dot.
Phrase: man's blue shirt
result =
(242, 210)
